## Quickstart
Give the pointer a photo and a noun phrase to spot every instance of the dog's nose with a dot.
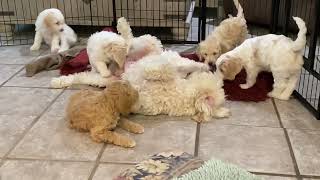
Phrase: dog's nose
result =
(61, 30)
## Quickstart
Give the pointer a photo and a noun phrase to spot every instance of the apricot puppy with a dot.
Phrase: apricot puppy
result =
(99, 113)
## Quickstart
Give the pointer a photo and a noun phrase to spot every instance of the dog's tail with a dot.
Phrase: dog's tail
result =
(82, 78)
(124, 29)
(239, 8)
(301, 40)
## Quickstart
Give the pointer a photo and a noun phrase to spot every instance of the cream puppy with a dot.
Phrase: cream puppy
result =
(51, 27)
(274, 53)
(104, 47)
(229, 34)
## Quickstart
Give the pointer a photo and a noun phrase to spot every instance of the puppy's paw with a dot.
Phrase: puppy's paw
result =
(57, 83)
(283, 97)
(273, 94)
(130, 144)
(54, 49)
(205, 68)
(105, 74)
(62, 50)
(34, 48)
(222, 112)
(245, 86)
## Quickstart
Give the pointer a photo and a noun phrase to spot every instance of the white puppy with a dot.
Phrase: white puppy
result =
(275, 53)
(230, 33)
(104, 47)
(51, 27)
(138, 48)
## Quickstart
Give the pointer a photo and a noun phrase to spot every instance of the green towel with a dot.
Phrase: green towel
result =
(218, 170)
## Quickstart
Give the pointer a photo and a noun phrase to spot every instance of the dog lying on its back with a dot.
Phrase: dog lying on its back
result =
(99, 113)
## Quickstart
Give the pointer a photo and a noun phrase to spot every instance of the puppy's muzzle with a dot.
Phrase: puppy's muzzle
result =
(61, 30)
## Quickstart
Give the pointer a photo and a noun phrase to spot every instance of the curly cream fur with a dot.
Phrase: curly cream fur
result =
(99, 113)
(230, 33)
(176, 86)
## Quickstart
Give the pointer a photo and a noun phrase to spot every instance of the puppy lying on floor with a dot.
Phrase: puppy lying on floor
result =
(274, 53)
(176, 86)
(99, 113)
(229, 34)
(51, 27)
(138, 47)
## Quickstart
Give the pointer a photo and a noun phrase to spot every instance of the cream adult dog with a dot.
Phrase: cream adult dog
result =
(275, 53)
(176, 86)
(51, 27)
(230, 33)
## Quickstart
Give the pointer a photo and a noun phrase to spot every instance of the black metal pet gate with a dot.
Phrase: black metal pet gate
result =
(176, 21)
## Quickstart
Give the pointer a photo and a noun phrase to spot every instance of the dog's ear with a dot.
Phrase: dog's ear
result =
(49, 20)
(114, 46)
(204, 103)
(230, 68)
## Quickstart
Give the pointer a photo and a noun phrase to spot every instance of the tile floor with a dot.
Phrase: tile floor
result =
(276, 140)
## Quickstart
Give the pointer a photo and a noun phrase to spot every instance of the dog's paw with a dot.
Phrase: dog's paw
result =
(57, 83)
(105, 74)
(245, 86)
(283, 97)
(130, 144)
(61, 50)
(222, 112)
(34, 48)
(55, 50)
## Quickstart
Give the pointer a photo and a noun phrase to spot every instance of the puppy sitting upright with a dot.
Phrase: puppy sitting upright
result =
(51, 27)
(229, 34)
(275, 53)
(99, 113)
(104, 47)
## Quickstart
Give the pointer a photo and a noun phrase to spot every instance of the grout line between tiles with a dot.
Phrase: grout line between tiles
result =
(1, 85)
(197, 140)
(97, 162)
(29, 127)
(294, 161)
(32, 87)
(44, 159)
(272, 174)
(118, 163)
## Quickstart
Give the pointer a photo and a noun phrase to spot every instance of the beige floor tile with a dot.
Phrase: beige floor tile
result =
(11, 129)
(257, 149)
(306, 148)
(294, 115)
(159, 135)
(50, 138)
(58, 107)
(109, 171)
(41, 79)
(264, 177)
(25, 101)
(251, 113)
(39, 170)
(18, 54)
(7, 71)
